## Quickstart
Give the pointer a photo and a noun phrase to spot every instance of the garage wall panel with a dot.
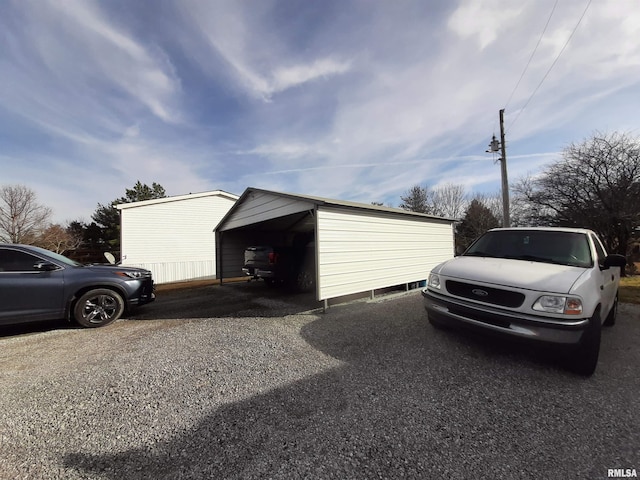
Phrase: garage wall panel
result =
(360, 251)
(174, 239)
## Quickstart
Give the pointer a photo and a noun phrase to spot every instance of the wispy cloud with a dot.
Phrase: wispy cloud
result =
(483, 19)
(288, 77)
(257, 59)
(354, 100)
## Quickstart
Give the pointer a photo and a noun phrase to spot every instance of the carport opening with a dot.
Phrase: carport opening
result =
(295, 231)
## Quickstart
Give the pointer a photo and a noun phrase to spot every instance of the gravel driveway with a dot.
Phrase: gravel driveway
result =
(276, 390)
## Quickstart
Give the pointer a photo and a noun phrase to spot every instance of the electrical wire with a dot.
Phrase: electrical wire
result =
(552, 65)
(532, 55)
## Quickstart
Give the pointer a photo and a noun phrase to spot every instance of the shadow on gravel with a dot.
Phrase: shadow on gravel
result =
(35, 327)
(240, 299)
(409, 402)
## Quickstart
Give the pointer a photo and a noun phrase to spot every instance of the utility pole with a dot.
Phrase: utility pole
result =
(503, 166)
(493, 148)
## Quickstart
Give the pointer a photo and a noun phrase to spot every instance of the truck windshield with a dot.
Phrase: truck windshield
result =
(563, 248)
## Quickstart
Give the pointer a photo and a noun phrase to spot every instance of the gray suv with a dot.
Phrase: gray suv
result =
(37, 285)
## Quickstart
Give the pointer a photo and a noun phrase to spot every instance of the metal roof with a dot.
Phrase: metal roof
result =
(322, 201)
(141, 203)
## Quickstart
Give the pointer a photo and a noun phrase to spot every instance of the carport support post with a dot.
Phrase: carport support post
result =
(219, 273)
(325, 306)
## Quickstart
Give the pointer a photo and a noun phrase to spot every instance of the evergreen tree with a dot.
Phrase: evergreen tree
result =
(477, 220)
(107, 217)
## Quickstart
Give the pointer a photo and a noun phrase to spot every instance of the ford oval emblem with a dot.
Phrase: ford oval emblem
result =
(480, 293)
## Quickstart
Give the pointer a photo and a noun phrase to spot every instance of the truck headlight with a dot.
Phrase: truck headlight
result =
(434, 281)
(554, 304)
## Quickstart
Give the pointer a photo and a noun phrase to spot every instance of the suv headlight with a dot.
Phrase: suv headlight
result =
(434, 281)
(129, 274)
(554, 304)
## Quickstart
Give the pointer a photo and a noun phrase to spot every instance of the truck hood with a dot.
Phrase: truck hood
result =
(529, 275)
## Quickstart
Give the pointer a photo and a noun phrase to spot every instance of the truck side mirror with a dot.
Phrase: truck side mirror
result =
(615, 260)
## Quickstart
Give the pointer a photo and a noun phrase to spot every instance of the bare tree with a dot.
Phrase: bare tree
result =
(58, 239)
(449, 200)
(22, 218)
(524, 212)
(596, 184)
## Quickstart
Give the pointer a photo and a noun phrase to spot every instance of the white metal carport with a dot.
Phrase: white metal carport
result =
(358, 247)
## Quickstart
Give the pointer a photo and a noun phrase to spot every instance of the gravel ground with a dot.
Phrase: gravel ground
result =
(367, 390)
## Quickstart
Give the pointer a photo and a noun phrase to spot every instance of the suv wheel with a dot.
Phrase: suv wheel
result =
(98, 307)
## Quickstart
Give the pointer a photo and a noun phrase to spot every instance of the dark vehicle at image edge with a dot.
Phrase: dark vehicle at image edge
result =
(37, 285)
(553, 286)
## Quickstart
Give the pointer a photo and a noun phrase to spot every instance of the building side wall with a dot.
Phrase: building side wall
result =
(360, 252)
(175, 240)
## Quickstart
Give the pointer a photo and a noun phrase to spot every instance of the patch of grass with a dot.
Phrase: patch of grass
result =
(629, 290)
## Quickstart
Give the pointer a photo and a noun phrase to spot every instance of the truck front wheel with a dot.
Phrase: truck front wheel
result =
(585, 358)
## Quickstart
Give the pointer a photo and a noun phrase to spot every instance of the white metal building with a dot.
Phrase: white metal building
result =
(174, 237)
(358, 247)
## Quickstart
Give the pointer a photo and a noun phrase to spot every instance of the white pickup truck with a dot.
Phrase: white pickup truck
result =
(553, 285)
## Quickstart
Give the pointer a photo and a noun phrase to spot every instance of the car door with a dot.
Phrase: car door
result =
(609, 278)
(27, 293)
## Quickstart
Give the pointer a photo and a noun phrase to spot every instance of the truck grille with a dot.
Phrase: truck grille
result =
(493, 296)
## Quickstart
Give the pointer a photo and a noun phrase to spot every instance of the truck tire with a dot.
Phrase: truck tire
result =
(610, 321)
(584, 358)
(435, 323)
(305, 280)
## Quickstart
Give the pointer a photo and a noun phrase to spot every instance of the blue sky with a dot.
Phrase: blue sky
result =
(354, 100)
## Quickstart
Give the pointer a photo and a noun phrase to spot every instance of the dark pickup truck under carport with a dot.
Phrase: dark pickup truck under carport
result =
(282, 265)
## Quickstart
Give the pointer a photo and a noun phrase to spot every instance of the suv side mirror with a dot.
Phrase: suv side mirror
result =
(615, 260)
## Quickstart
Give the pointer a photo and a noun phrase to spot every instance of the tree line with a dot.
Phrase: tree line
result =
(24, 220)
(594, 184)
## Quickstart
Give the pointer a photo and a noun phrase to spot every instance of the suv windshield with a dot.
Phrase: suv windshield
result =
(57, 257)
(563, 248)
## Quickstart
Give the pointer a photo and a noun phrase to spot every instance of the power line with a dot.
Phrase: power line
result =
(532, 54)
(553, 64)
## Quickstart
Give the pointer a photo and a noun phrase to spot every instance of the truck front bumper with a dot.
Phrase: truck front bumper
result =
(453, 311)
